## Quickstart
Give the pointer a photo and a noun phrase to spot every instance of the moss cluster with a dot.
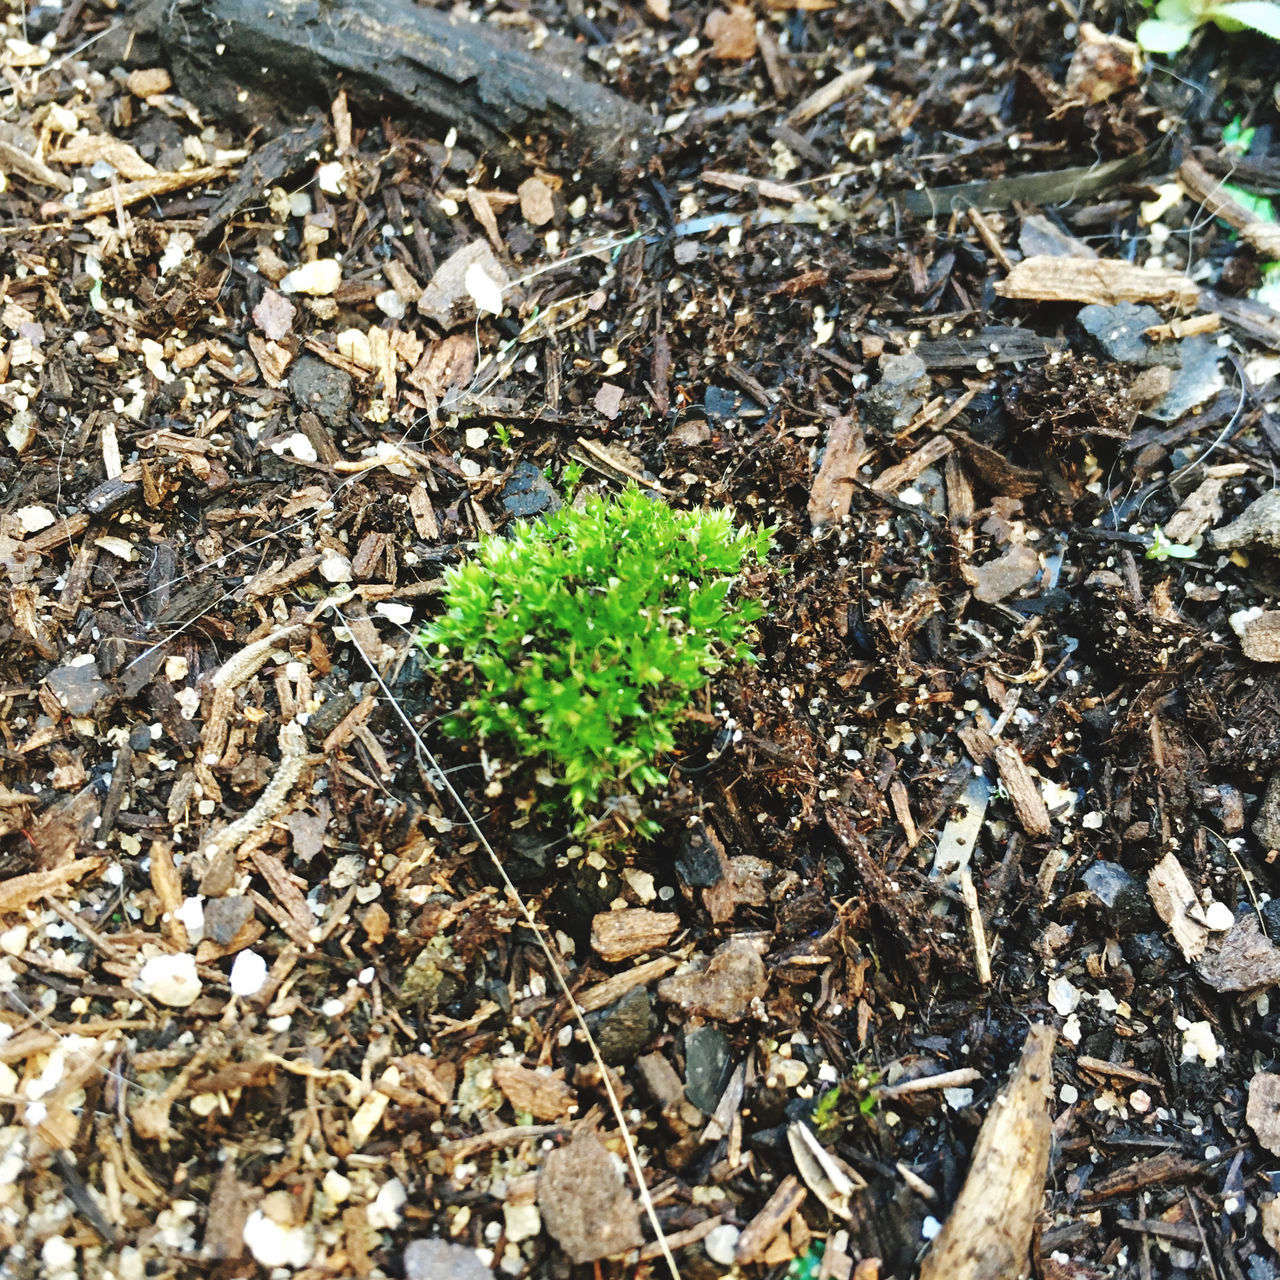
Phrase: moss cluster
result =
(584, 637)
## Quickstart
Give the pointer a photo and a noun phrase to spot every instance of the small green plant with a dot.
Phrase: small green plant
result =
(825, 1113)
(1175, 21)
(584, 637)
(1162, 549)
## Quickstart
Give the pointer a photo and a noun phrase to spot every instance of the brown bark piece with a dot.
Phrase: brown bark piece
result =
(725, 989)
(585, 1204)
(1247, 960)
(761, 1230)
(832, 492)
(988, 1233)
(904, 472)
(1263, 1111)
(619, 935)
(393, 57)
(1160, 1170)
(1004, 575)
(1207, 191)
(1104, 281)
(545, 1097)
(1024, 793)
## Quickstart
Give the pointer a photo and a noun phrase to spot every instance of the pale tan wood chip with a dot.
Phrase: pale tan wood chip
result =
(767, 190)
(1104, 281)
(613, 989)
(619, 935)
(1173, 895)
(20, 891)
(829, 94)
(988, 1233)
(162, 184)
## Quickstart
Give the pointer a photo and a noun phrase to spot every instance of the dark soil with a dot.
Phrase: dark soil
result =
(193, 466)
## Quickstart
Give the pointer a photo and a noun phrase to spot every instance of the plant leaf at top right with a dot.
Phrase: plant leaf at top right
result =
(1175, 21)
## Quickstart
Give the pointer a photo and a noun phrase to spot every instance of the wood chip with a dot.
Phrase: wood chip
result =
(585, 1204)
(1207, 191)
(619, 935)
(536, 1093)
(988, 1233)
(761, 1230)
(1172, 895)
(829, 94)
(1023, 790)
(903, 473)
(1104, 281)
(831, 496)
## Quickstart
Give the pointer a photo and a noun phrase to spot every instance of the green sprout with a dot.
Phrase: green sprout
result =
(1176, 21)
(824, 1113)
(1162, 549)
(503, 432)
(581, 639)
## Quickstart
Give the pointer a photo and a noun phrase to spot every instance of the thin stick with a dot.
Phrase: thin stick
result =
(615, 1103)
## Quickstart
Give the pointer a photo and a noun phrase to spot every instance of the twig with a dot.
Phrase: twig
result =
(553, 963)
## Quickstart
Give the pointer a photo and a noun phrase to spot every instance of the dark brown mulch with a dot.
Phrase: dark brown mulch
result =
(265, 997)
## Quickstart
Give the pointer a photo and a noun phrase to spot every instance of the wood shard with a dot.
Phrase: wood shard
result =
(832, 494)
(1023, 790)
(619, 935)
(761, 1230)
(988, 1234)
(1104, 281)
(1172, 895)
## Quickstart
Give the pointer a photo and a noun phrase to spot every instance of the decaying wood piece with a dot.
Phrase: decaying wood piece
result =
(395, 58)
(988, 1233)
(1024, 793)
(1104, 281)
(619, 935)
(1208, 191)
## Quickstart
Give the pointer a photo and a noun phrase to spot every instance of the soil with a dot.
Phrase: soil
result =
(276, 954)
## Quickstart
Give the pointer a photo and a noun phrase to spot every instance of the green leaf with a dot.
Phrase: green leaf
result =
(1258, 15)
(1156, 35)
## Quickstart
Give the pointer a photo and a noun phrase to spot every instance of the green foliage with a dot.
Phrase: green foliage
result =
(825, 1114)
(1175, 21)
(1162, 549)
(584, 637)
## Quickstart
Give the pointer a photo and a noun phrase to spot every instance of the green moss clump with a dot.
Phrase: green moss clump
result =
(584, 637)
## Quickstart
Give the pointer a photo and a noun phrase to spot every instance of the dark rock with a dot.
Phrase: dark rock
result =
(706, 1066)
(1150, 956)
(1119, 332)
(528, 492)
(624, 1028)
(320, 387)
(903, 387)
(1271, 917)
(698, 863)
(1122, 897)
(1199, 377)
(140, 737)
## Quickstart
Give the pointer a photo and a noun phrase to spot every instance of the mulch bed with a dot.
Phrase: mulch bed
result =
(953, 298)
